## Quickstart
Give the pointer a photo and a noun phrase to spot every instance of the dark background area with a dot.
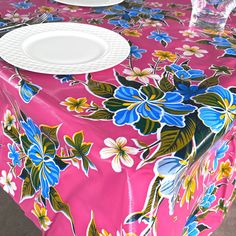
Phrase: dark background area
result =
(13, 222)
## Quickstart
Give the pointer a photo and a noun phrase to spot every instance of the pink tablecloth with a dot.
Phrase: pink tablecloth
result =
(144, 148)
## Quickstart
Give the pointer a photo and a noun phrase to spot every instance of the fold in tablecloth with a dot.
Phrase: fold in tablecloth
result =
(144, 148)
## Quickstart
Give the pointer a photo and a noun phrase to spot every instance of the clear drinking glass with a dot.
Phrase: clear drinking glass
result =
(211, 14)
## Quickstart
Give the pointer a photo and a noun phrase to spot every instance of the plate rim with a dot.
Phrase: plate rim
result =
(87, 5)
(46, 68)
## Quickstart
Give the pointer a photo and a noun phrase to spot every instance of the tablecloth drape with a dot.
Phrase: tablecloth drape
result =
(144, 148)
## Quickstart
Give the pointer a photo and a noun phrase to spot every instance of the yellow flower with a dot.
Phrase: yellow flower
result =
(9, 120)
(74, 104)
(45, 9)
(104, 233)
(41, 214)
(133, 33)
(164, 55)
(177, 13)
(189, 186)
(225, 170)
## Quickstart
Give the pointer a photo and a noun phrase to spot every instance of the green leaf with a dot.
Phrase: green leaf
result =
(203, 41)
(174, 138)
(203, 215)
(92, 228)
(134, 217)
(147, 126)
(232, 90)
(34, 175)
(24, 173)
(145, 154)
(152, 92)
(153, 199)
(69, 141)
(48, 146)
(185, 151)
(51, 133)
(100, 89)
(28, 164)
(209, 99)
(25, 142)
(60, 163)
(101, 114)
(114, 104)
(173, 18)
(59, 206)
(229, 55)
(203, 138)
(202, 227)
(85, 148)
(209, 82)
(123, 81)
(164, 43)
(178, 81)
(27, 190)
(153, 196)
(78, 139)
(13, 134)
(166, 85)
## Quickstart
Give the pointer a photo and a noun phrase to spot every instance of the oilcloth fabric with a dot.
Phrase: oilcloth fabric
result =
(144, 148)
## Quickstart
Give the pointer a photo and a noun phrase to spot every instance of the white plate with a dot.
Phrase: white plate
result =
(63, 48)
(90, 3)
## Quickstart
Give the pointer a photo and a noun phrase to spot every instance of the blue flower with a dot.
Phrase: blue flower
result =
(120, 23)
(136, 52)
(221, 42)
(23, 5)
(28, 90)
(52, 18)
(219, 113)
(64, 78)
(220, 153)
(158, 17)
(175, 67)
(2, 24)
(230, 51)
(183, 74)
(160, 36)
(49, 172)
(192, 229)
(191, 219)
(32, 131)
(215, 2)
(209, 198)
(189, 91)
(41, 153)
(131, 104)
(14, 155)
(171, 168)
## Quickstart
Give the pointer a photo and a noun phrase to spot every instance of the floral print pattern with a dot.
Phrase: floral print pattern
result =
(156, 129)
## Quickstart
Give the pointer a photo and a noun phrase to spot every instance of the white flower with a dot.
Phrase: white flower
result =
(15, 17)
(151, 23)
(6, 180)
(119, 152)
(189, 33)
(194, 50)
(142, 75)
(71, 8)
(9, 120)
